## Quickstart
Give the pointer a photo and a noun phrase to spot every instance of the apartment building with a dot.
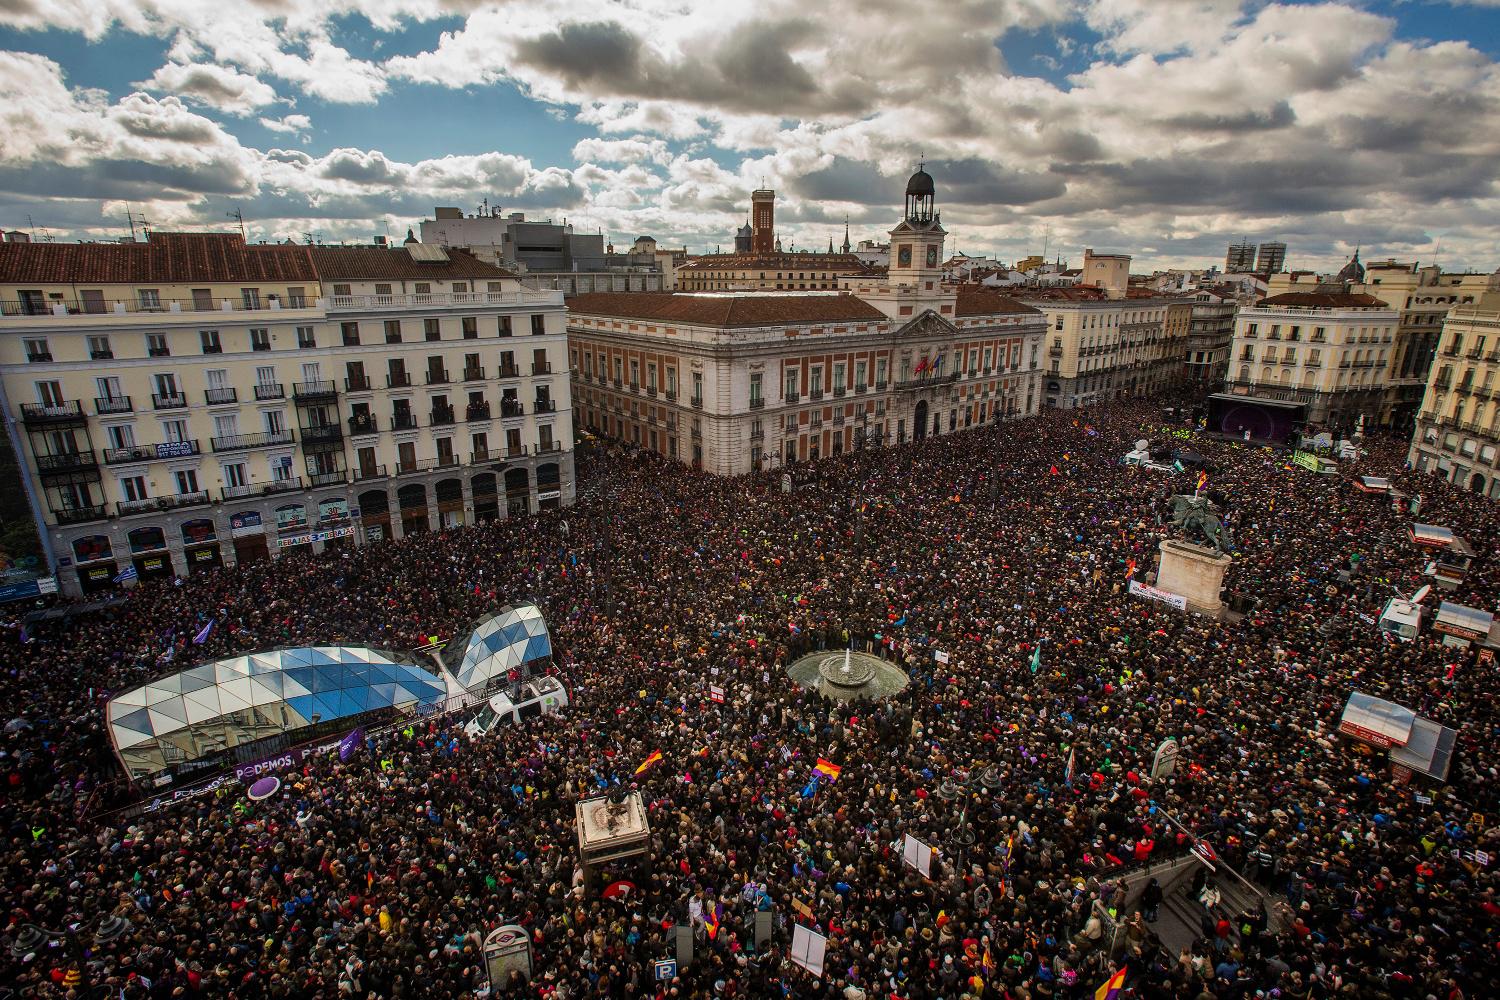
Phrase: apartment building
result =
(194, 401)
(1327, 351)
(1101, 348)
(1210, 336)
(1458, 427)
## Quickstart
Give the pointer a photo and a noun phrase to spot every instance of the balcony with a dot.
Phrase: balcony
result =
(316, 479)
(39, 357)
(403, 421)
(838, 392)
(757, 403)
(614, 382)
(67, 463)
(261, 489)
(112, 404)
(441, 416)
(792, 397)
(474, 374)
(546, 369)
(838, 420)
(322, 436)
(670, 395)
(635, 387)
(437, 376)
(69, 412)
(477, 411)
(364, 423)
(859, 387)
(358, 383)
(510, 407)
(217, 397)
(549, 447)
(815, 394)
(321, 391)
(880, 385)
(398, 380)
(362, 473)
(152, 504)
(544, 406)
(414, 467)
(508, 371)
(122, 307)
(1054, 352)
(697, 433)
(697, 402)
(241, 442)
(446, 462)
(80, 515)
(108, 355)
(651, 391)
(757, 434)
(435, 300)
(1443, 384)
(270, 390)
(516, 451)
(484, 456)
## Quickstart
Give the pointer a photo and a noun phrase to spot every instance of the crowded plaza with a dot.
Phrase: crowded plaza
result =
(993, 567)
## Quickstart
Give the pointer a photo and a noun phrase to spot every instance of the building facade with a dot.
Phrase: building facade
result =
(1239, 257)
(1100, 348)
(1210, 337)
(193, 401)
(1328, 350)
(1271, 258)
(755, 272)
(1458, 426)
(735, 383)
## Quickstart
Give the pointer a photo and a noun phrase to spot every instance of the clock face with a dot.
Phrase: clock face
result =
(903, 256)
(932, 256)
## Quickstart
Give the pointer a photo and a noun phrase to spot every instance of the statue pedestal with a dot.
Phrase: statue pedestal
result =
(1194, 571)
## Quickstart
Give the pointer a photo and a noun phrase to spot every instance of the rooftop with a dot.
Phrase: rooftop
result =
(375, 263)
(974, 300)
(1324, 300)
(724, 311)
(718, 261)
(164, 258)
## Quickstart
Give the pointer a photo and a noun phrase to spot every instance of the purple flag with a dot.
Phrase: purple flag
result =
(351, 742)
(203, 635)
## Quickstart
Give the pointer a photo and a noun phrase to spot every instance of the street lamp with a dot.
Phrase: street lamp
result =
(29, 938)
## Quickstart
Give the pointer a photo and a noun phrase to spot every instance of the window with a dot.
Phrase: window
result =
(859, 374)
(697, 387)
(538, 325)
(260, 339)
(250, 298)
(471, 327)
(306, 339)
(431, 330)
(149, 299)
(36, 349)
(210, 341)
(755, 380)
(226, 425)
(234, 475)
(382, 289)
(815, 380)
(133, 488)
(393, 331)
(218, 378)
(838, 378)
(504, 330)
(341, 291)
(275, 421)
(99, 349)
(281, 468)
(109, 387)
(880, 371)
(121, 436)
(350, 334)
(174, 430)
(792, 377)
(166, 384)
(50, 393)
(651, 377)
(296, 297)
(635, 373)
(539, 365)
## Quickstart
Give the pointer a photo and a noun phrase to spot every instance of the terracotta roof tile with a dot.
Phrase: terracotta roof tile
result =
(805, 261)
(165, 258)
(724, 311)
(1324, 300)
(379, 263)
(974, 300)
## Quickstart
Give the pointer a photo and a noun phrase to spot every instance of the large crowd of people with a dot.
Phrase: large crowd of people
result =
(380, 875)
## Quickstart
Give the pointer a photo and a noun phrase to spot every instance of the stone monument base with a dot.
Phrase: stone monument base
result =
(1194, 571)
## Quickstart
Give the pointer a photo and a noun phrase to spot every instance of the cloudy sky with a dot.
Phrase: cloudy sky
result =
(1161, 128)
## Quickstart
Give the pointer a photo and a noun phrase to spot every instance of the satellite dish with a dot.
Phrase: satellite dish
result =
(1421, 595)
(1142, 444)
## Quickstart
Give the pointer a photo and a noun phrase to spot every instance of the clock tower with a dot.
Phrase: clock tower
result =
(917, 240)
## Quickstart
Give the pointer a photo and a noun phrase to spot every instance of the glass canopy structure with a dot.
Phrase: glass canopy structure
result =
(214, 706)
(514, 637)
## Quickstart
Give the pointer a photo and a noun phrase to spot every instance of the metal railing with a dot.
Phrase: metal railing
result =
(440, 417)
(128, 507)
(79, 515)
(546, 369)
(477, 411)
(108, 307)
(216, 397)
(239, 442)
(544, 406)
(508, 371)
(474, 374)
(357, 383)
(270, 390)
(398, 380)
(757, 403)
(112, 404)
(337, 478)
(430, 300)
(321, 389)
(511, 408)
(364, 424)
(150, 452)
(403, 421)
(437, 376)
(261, 489)
(70, 461)
(319, 434)
(33, 413)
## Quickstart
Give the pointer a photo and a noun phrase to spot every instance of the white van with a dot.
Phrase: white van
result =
(539, 696)
(1401, 619)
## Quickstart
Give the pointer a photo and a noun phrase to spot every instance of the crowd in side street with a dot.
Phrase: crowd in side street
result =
(379, 875)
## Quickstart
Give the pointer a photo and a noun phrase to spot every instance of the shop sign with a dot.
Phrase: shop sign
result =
(307, 537)
(246, 522)
(174, 449)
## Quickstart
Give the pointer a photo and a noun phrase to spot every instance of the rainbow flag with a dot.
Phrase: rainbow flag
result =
(828, 768)
(1112, 987)
(655, 756)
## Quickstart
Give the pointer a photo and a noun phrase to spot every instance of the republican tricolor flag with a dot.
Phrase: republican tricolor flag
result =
(1112, 987)
(828, 769)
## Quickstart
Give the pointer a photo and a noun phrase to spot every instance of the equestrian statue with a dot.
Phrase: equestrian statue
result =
(1195, 518)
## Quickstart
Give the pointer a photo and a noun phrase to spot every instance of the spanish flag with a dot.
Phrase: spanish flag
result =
(655, 756)
(828, 768)
(1111, 987)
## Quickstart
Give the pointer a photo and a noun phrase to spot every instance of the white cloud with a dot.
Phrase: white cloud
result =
(287, 124)
(220, 87)
(639, 149)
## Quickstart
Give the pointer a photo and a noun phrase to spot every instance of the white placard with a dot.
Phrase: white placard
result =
(940, 656)
(807, 949)
(916, 854)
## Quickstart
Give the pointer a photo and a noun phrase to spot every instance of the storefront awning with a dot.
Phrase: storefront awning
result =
(1431, 534)
(1462, 620)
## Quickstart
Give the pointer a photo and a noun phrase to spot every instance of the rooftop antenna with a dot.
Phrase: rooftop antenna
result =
(130, 218)
(239, 217)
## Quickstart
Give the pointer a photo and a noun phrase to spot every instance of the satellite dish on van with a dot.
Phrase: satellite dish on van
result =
(1324, 440)
(1421, 595)
(1142, 444)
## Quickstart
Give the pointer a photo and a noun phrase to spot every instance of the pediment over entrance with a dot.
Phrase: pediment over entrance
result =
(928, 326)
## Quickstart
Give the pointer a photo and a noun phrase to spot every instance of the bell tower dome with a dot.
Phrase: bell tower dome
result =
(917, 240)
